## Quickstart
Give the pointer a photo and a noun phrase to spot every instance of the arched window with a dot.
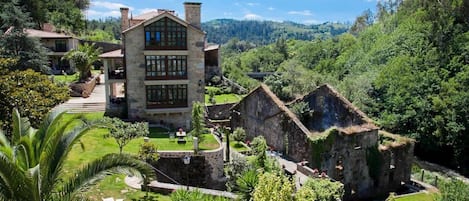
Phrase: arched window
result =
(165, 34)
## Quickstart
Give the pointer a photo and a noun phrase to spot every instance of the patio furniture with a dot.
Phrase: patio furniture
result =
(181, 134)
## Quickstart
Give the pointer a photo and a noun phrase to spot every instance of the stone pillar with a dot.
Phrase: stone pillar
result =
(106, 82)
(124, 19)
(192, 13)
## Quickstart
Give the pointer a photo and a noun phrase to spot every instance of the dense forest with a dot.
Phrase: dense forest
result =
(407, 68)
(265, 32)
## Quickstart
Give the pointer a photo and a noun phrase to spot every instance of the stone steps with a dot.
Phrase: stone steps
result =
(82, 107)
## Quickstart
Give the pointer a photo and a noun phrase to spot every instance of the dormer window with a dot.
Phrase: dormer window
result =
(165, 34)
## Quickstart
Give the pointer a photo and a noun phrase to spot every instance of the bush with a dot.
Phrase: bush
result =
(32, 93)
(239, 134)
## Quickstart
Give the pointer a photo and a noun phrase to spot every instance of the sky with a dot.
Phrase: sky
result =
(300, 11)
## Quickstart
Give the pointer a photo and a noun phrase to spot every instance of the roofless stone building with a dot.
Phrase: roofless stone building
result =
(332, 136)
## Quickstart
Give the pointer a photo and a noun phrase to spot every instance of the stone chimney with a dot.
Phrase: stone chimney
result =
(192, 13)
(124, 18)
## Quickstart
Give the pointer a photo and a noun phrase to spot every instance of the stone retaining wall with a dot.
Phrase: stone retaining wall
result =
(205, 168)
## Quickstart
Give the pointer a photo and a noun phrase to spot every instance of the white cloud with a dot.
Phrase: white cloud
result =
(304, 12)
(147, 10)
(108, 5)
(311, 21)
(93, 14)
(271, 8)
(252, 4)
(252, 16)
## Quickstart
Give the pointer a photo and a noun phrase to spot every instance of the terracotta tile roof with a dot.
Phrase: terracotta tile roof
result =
(45, 34)
(112, 54)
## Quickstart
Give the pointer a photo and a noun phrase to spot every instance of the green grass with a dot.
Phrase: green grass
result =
(417, 197)
(239, 147)
(224, 98)
(71, 78)
(94, 145)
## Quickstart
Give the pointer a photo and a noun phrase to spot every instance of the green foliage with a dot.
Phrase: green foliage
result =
(273, 187)
(259, 147)
(301, 109)
(454, 190)
(83, 58)
(182, 195)
(148, 152)
(198, 120)
(408, 70)
(265, 32)
(320, 190)
(110, 25)
(320, 143)
(100, 36)
(34, 158)
(124, 132)
(34, 94)
(233, 170)
(239, 134)
(246, 183)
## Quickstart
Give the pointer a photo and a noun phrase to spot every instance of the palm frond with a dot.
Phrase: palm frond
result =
(21, 126)
(96, 170)
(15, 180)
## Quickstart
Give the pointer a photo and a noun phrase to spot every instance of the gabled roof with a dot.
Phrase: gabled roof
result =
(112, 54)
(46, 34)
(159, 15)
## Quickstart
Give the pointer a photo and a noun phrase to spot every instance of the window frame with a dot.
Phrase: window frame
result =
(165, 34)
(165, 67)
(166, 96)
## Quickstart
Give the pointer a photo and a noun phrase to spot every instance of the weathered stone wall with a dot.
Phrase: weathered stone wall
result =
(219, 111)
(258, 114)
(83, 89)
(345, 158)
(205, 168)
(395, 167)
(330, 109)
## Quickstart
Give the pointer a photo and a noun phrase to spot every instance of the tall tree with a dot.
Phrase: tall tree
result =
(198, 120)
(16, 44)
(32, 160)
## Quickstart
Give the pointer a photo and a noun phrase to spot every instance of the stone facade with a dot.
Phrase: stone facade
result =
(335, 137)
(204, 170)
(135, 65)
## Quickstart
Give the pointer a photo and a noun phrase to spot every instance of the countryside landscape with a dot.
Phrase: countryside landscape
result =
(187, 101)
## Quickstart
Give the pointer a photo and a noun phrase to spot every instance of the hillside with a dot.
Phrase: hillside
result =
(265, 32)
(408, 70)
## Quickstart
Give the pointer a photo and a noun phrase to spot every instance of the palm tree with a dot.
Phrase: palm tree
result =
(83, 57)
(31, 163)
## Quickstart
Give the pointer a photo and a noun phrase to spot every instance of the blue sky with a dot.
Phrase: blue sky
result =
(301, 11)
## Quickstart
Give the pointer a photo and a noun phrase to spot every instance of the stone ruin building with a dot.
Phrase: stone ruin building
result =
(333, 136)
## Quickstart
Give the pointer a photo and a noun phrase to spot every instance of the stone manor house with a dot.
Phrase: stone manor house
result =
(160, 70)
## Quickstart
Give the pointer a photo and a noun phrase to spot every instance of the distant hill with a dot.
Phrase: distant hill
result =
(265, 32)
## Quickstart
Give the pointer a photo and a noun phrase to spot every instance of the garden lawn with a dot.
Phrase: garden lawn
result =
(239, 147)
(94, 145)
(71, 78)
(224, 98)
(417, 197)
